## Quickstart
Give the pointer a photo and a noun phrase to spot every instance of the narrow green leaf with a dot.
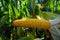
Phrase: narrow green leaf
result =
(0, 38)
(17, 14)
(27, 1)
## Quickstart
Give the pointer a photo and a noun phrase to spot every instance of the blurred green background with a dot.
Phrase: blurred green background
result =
(11, 10)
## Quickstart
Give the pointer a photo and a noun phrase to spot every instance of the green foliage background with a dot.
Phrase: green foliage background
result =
(11, 10)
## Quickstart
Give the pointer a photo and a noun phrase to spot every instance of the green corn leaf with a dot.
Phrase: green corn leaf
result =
(27, 1)
(17, 14)
(3, 20)
(0, 38)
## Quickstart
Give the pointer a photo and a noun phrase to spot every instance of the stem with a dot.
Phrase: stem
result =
(33, 8)
(16, 3)
(56, 5)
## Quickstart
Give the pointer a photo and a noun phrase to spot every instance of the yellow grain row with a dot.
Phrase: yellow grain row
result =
(32, 23)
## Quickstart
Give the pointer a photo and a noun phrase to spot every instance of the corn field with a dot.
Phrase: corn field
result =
(11, 10)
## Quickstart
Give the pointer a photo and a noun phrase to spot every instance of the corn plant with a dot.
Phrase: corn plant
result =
(11, 10)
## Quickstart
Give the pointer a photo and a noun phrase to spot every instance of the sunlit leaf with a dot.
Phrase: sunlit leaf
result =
(27, 1)
(17, 14)
(48, 15)
(0, 38)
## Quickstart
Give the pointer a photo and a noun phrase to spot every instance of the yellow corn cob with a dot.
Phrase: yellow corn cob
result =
(33, 23)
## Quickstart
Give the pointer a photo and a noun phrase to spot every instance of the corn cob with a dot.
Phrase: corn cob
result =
(33, 23)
